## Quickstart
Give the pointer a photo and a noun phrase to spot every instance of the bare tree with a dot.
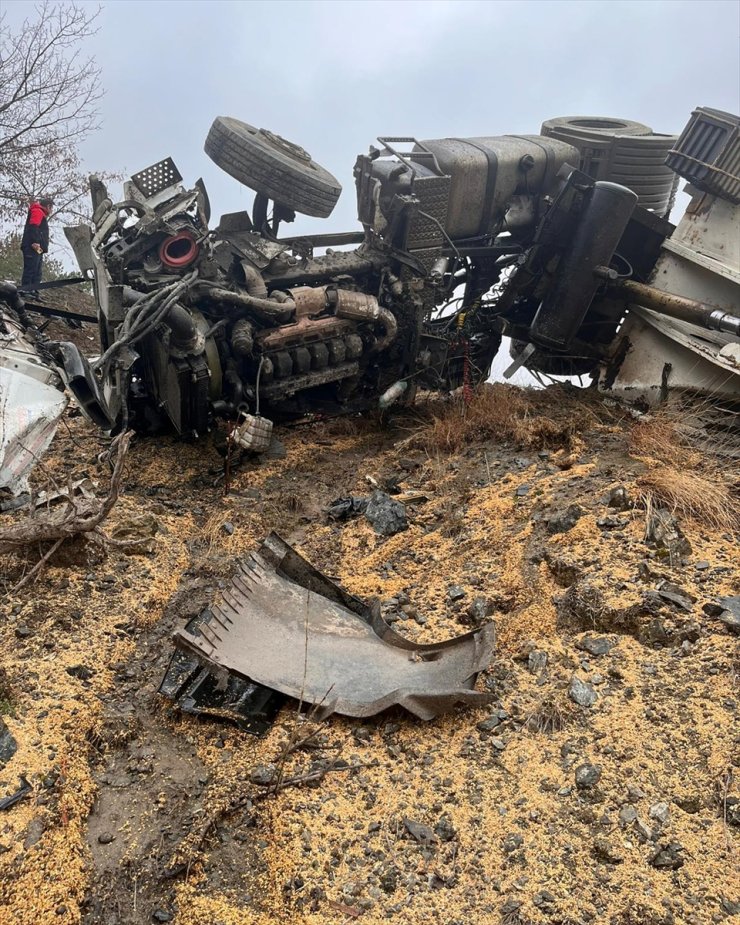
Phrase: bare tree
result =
(49, 94)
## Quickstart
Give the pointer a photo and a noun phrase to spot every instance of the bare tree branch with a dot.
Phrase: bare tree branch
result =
(49, 96)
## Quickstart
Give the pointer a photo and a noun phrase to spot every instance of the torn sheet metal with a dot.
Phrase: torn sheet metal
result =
(31, 403)
(284, 625)
(216, 693)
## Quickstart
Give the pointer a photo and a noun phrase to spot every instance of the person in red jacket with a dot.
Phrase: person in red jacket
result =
(35, 242)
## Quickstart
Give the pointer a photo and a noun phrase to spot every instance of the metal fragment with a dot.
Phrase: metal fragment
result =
(293, 630)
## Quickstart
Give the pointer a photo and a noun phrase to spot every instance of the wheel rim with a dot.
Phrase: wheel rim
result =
(287, 147)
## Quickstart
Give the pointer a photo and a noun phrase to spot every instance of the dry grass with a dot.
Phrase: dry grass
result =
(551, 714)
(532, 418)
(686, 473)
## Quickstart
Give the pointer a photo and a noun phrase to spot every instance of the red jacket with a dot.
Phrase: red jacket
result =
(36, 230)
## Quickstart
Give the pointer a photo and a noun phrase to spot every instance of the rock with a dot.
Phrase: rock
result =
(668, 856)
(263, 774)
(444, 829)
(83, 672)
(161, 915)
(522, 491)
(656, 632)
(727, 611)
(34, 831)
(660, 812)
(22, 631)
(587, 776)
(562, 521)
(619, 499)
(605, 851)
(455, 593)
(612, 522)
(643, 830)
(8, 744)
(346, 507)
(678, 600)
(512, 842)
(664, 532)
(422, 833)
(635, 794)
(388, 879)
(228, 529)
(386, 515)
(490, 723)
(537, 660)
(105, 838)
(627, 814)
(276, 449)
(732, 604)
(730, 620)
(732, 805)
(595, 645)
(689, 802)
(582, 692)
(478, 611)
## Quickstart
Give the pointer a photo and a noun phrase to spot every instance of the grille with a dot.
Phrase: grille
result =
(708, 153)
(159, 176)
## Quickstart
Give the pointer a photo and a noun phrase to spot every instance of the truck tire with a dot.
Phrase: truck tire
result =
(592, 126)
(272, 166)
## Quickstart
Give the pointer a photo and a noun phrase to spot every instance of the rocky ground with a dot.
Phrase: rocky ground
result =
(600, 786)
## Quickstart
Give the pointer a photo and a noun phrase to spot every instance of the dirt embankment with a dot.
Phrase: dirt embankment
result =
(599, 787)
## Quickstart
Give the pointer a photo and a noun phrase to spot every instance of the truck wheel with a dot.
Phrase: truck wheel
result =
(272, 166)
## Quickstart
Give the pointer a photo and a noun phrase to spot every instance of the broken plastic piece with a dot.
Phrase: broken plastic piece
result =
(284, 625)
(253, 432)
(217, 694)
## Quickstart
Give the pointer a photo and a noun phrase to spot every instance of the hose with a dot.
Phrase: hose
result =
(280, 312)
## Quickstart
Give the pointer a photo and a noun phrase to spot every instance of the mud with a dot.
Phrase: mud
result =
(140, 814)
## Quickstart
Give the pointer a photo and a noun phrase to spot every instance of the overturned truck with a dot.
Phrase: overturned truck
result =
(559, 241)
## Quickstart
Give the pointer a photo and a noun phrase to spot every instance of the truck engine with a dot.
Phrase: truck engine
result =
(546, 239)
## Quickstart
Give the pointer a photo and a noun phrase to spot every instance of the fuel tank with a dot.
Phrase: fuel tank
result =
(486, 173)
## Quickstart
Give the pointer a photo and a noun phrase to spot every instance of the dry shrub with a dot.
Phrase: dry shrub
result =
(690, 472)
(551, 714)
(531, 418)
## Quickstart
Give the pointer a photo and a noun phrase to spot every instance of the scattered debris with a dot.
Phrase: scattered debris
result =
(284, 625)
(386, 515)
(60, 523)
(23, 790)
(345, 508)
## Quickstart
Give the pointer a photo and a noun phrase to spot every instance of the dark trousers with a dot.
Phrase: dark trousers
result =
(31, 268)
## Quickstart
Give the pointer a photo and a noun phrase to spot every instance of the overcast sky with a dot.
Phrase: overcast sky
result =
(332, 76)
